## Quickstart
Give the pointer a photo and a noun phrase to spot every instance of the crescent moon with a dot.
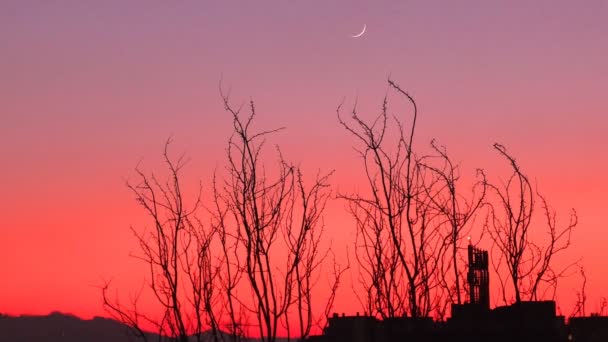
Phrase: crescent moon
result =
(362, 32)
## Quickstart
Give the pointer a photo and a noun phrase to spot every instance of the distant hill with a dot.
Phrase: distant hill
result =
(60, 327)
(65, 328)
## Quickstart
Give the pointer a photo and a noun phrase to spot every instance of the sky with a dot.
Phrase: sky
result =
(91, 90)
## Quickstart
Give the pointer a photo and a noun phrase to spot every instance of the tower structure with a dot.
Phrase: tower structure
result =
(478, 277)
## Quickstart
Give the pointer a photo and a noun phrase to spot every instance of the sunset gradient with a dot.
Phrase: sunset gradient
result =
(90, 91)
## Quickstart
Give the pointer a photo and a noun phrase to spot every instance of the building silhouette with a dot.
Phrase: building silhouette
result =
(592, 328)
(474, 321)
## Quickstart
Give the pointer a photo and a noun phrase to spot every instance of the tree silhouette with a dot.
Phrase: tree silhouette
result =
(176, 248)
(581, 296)
(399, 237)
(271, 222)
(255, 257)
(251, 256)
(528, 262)
(456, 208)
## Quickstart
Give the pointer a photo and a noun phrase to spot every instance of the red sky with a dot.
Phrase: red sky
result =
(88, 91)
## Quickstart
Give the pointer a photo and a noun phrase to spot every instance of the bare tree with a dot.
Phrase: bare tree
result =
(456, 208)
(129, 314)
(399, 237)
(233, 317)
(602, 307)
(334, 284)
(258, 259)
(271, 225)
(528, 262)
(176, 248)
(581, 295)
